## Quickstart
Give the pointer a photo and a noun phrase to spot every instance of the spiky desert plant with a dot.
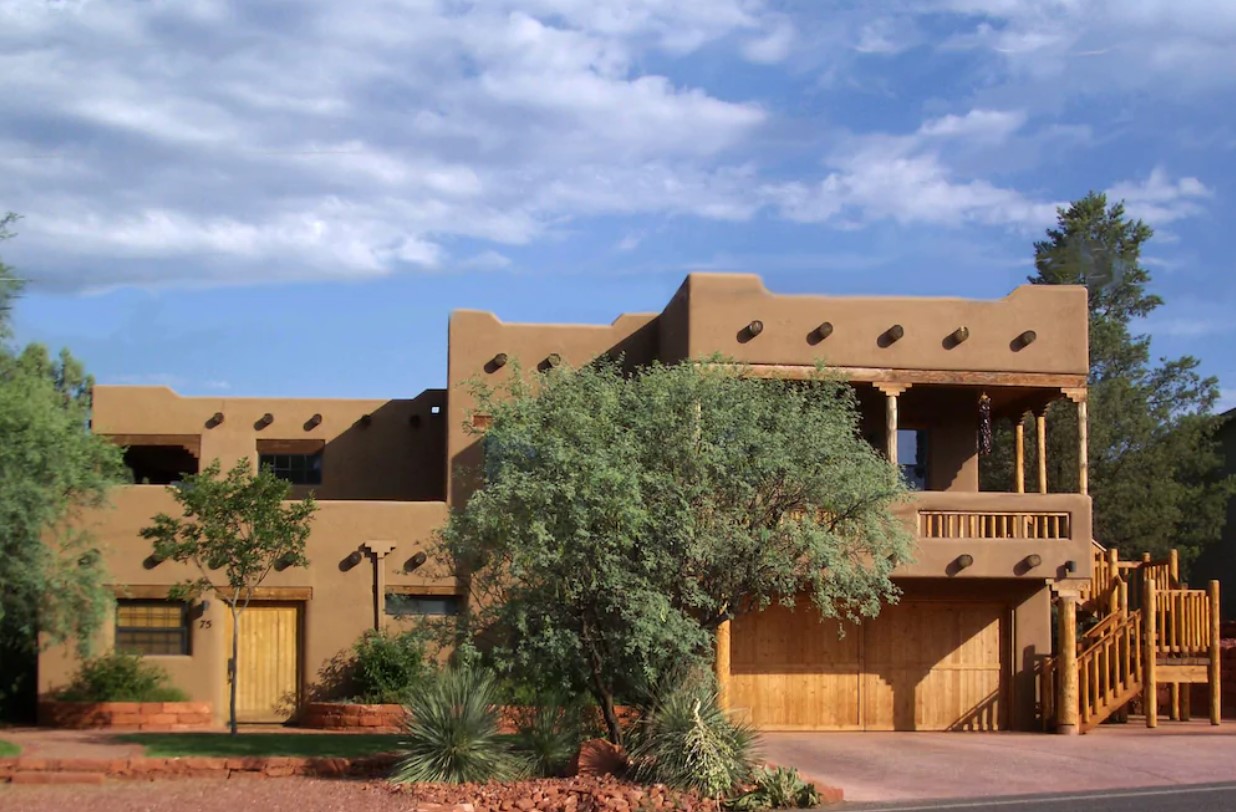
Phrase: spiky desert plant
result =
(777, 788)
(452, 732)
(549, 735)
(686, 741)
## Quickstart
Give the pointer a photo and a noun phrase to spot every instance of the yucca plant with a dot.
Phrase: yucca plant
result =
(686, 741)
(778, 788)
(452, 732)
(549, 735)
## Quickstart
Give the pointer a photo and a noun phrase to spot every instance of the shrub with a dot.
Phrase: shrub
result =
(549, 734)
(779, 788)
(386, 666)
(120, 677)
(686, 741)
(452, 732)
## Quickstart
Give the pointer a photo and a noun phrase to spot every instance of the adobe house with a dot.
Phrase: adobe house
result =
(969, 647)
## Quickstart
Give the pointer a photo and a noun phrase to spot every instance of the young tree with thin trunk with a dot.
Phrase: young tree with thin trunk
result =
(241, 524)
(626, 515)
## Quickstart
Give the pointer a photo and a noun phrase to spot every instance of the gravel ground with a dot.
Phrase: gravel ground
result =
(208, 795)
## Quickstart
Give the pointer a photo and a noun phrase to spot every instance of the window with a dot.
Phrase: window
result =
(152, 627)
(399, 604)
(299, 469)
(912, 457)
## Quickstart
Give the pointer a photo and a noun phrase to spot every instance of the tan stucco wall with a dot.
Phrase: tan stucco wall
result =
(721, 305)
(389, 458)
(342, 604)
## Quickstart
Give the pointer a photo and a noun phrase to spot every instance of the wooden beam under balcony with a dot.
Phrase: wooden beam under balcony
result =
(1048, 380)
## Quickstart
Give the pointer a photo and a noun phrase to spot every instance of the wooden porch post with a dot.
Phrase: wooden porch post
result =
(1113, 564)
(1067, 703)
(1083, 454)
(1150, 683)
(1214, 674)
(891, 391)
(1019, 472)
(1040, 430)
(723, 665)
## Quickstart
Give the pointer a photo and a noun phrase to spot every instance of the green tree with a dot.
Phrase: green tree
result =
(51, 470)
(625, 516)
(239, 522)
(1154, 460)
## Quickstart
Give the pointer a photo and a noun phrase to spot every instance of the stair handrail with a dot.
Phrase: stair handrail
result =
(1110, 670)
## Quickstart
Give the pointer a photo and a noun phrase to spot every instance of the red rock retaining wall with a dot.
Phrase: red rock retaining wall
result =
(128, 715)
(40, 770)
(342, 716)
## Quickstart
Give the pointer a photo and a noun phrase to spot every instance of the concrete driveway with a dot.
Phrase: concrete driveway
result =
(923, 766)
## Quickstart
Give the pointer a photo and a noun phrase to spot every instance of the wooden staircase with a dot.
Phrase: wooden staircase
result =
(1141, 628)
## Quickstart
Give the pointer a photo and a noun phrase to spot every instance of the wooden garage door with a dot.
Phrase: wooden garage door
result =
(918, 666)
(268, 674)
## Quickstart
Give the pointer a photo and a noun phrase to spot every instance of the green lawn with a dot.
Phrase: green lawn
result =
(8, 749)
(264, 744)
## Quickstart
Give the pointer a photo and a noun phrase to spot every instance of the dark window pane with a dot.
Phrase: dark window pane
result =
(401, 605)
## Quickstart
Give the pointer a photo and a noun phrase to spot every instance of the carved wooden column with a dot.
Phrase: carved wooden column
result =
(378, 551)
(1078, 396)
(891, 392)
(723, 665)
(1040, 436)
(1067, 702)
(1019, 471)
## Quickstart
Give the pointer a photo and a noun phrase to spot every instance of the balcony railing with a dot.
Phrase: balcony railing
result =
(960, 515)
(957, 524)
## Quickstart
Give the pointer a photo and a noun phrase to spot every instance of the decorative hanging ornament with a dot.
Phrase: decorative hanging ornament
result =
(984, 424)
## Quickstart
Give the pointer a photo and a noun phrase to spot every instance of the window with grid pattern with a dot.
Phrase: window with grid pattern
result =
(299, 469)
(152, 627)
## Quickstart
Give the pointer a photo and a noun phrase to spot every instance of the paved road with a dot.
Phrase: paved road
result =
(1159, 799)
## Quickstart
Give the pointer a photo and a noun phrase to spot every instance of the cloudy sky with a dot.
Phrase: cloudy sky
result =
(290, 197)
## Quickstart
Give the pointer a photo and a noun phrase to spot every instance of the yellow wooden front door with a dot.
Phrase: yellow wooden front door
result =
(268, 662)
(918, 666)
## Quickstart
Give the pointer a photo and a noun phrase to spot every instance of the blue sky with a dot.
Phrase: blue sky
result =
(288, 198)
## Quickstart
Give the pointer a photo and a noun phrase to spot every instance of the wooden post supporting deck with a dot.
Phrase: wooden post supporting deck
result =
(890, 427)
(1114, 605)
(723, 665)
(1040, 430)
(1083, 456)
(1216, 714)
(1067, 703)
(1019, 470)
(1150, 681)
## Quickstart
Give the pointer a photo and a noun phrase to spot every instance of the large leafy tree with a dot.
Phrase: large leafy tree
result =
(1154, 460)
(624, 516)
(238, 524)
(51, 470)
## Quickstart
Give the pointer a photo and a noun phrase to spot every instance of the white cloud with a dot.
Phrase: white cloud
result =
(1086, 46)
(213, 142)
(1160, 200)
(982, 125)
(907, 179)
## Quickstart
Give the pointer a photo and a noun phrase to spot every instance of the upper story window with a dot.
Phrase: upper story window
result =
(152, 627)
(299, 469)
(296, 461)
(159, 459)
